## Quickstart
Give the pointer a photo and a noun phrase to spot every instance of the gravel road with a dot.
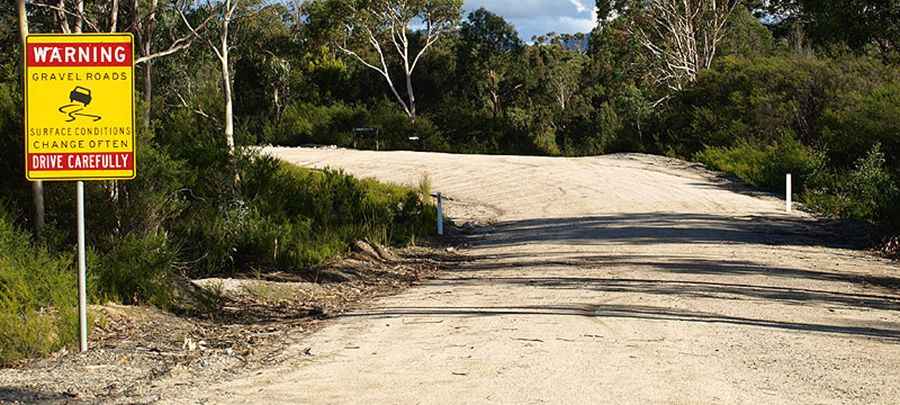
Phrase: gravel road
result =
(614, 279)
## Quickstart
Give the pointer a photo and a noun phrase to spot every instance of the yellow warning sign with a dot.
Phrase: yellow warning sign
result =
(79, 107)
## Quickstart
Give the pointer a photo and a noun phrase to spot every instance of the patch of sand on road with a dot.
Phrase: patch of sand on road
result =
(614, 279)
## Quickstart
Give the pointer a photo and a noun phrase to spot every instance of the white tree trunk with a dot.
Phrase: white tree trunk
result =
(383, 70)
(37, 187)
(229, 104)
(412, 96)
(61, 17)
(79, 16)
(408, 73)
(226, 79)
(114, 16)
(147, 49)
(221, 50)
(494, 92)
(395, 27)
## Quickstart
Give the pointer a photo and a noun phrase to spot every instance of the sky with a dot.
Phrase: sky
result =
(537, 17)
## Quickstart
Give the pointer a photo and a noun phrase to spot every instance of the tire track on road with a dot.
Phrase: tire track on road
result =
(704, 295)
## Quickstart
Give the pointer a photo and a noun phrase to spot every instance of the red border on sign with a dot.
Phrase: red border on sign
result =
(65, 162)
(124, 39)
(81, 54)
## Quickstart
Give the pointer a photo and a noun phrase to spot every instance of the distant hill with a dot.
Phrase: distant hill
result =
(578, 42)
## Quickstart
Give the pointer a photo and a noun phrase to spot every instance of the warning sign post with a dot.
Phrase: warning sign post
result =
(79, 120)
(79, 107)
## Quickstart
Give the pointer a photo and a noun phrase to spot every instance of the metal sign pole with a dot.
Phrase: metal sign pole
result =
(82, 271)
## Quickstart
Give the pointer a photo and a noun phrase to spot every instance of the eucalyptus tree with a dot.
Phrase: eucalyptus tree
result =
(564, 75)
(161, 30)
(221, 47)
(368, 30)
(681, 37)
(488, 46)
(37, 187)
(859, 24)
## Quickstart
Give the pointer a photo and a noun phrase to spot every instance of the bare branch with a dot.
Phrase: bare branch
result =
(196, 34)
(682, 36)
(179, 44)
(62, 13)
(384, 24)
(361, 60)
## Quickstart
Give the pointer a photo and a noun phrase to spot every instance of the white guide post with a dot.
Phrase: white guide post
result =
(440, 214)
(82, 271)
(789, 196)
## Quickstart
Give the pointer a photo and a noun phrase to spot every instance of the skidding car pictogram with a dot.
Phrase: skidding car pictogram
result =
(79, 98)
(81, 95)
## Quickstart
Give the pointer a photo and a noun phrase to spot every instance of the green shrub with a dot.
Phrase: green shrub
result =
(136, 270)
(765, 166)
(868, 192)
(305, 123)
(760, 99)
(358, 209)
(862, 119)
(468, 130)
(536, 125)
(286, 218)
(430, 137)
(38, 297)
(395, 130)
(12, 153)
(736, 116)
(746, 35)
(610, 125)
(146, 205)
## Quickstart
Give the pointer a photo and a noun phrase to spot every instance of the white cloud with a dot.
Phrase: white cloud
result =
(537, 17)
(579, 6)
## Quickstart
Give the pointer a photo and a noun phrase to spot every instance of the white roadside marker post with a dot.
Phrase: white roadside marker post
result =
(789, 194)
(440, 214)
(82, 271)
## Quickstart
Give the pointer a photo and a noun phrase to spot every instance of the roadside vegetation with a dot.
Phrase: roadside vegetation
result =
(185, 218)
(37, 300)
(812, 91)
(823, 119)
(197, 209)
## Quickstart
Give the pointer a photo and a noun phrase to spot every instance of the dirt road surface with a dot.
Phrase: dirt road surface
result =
(616, 279)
